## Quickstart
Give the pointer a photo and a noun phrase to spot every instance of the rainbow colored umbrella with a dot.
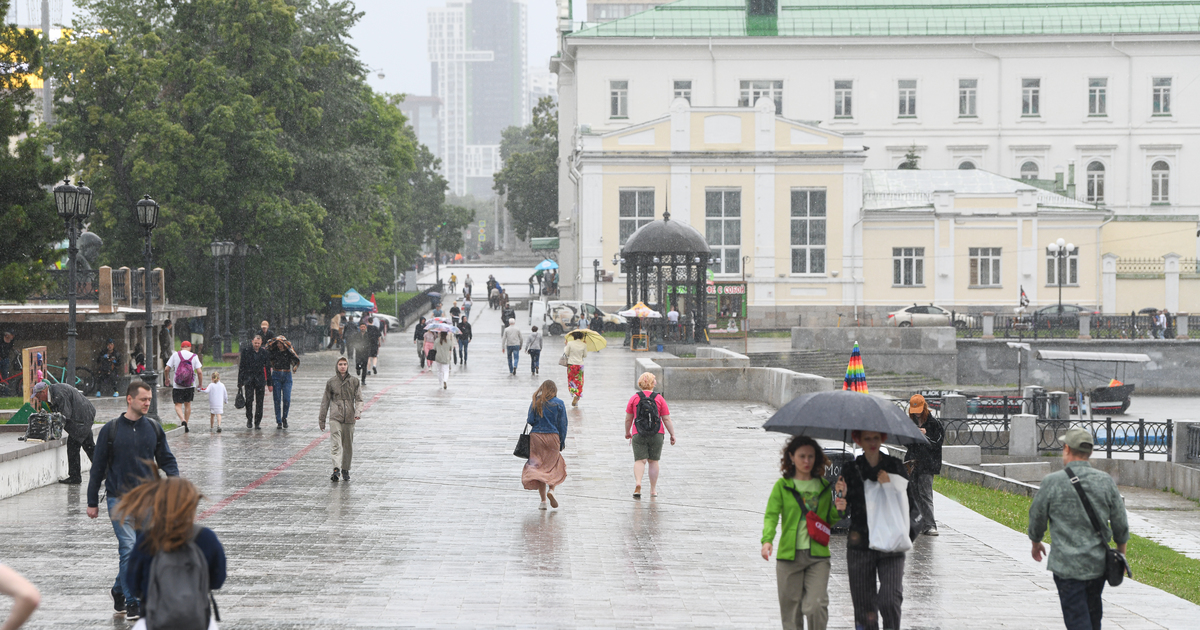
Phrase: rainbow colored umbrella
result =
(856, 377)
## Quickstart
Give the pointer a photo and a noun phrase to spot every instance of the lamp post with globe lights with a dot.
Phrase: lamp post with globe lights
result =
(74, 205)
(146, 212)
(1061, 251)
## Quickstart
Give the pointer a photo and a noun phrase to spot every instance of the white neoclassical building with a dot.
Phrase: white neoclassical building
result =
(1104, 91)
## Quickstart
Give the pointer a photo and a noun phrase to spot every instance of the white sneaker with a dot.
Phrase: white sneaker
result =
(542, 505)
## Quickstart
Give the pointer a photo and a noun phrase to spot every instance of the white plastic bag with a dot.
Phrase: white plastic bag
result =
(887, 514)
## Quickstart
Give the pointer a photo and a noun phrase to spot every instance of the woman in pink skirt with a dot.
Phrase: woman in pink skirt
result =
(546, 468)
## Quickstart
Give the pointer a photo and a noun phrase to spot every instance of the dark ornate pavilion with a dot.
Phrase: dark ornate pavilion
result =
(666, 264)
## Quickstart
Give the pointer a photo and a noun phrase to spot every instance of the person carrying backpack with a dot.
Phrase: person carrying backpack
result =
(646, 419)
(185, 375)
(175, 564)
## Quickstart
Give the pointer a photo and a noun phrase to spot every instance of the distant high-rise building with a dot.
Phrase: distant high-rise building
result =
(541, 84)
(609, 10)
(478, 56)
(424, 114)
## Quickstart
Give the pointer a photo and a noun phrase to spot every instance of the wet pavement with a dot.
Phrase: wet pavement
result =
(435, 530)
(1165, 518)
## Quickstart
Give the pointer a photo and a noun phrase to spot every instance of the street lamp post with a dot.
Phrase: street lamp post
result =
(1061, 251)
(146, 213)
(217, 248)
(227, 253)
(597, 274)
(243, 248)
(74, 204)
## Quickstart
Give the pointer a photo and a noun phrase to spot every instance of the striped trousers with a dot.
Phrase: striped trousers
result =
(874, 601)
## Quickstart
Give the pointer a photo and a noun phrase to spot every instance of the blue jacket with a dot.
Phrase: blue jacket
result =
(552, 420)
(137, 576)
(122, 469)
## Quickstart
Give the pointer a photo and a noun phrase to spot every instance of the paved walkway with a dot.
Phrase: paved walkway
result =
(435, 530)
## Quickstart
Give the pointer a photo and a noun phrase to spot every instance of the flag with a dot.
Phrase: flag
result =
(1115, 383)
(374, 306)
(856, 377)
(1024, 298)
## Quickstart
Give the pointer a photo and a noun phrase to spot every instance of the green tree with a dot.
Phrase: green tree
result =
(911, 160)
(27, 215)
(529, 178)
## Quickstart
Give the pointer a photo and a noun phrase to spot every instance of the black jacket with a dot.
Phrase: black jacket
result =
(283, 357)
(854, 474)
(76, 409)
(166, 342)
(123, 466)
(358, 345)
(108, 362)
(6, 347)
(419, 332)
(464, 334)
(254, 367)
(928, 456)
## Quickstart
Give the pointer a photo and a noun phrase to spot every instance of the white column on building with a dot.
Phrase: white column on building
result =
(762, 261)
(943, 262)
(681, 174)
(1108, 299)
(1171, 273)
(852, 235)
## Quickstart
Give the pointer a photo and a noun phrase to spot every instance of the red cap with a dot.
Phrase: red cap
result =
(186, 344)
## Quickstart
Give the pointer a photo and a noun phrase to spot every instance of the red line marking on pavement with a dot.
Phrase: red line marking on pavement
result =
(274, 472)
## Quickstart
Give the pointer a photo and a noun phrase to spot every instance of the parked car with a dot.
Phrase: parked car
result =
(559, 316)
(928, 315)
(1056, 316)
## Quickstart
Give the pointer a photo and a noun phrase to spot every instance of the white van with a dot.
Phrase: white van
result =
(559, 316)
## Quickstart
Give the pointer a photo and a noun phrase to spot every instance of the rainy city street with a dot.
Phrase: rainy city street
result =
(434, 530)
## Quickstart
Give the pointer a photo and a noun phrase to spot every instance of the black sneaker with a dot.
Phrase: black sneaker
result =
(285, 423)
(257, 427)
(279, 427)
(334, 476)
(71, 481)
(345, 475)
(118, 601)
(133, 612)
(185, 427)
(249, 424)
(218, 429)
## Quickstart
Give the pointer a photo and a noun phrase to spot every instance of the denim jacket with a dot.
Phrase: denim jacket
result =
(552, 420)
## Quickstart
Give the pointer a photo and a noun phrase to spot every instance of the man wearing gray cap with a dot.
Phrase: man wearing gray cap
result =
(78, 414)
(1078, 554)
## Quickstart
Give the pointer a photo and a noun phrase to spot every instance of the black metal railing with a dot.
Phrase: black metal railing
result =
(138, 286)
(1122, 327)
(87, 284)
(417, 303)
(1031, 326)
(1112, 436)
(1193, 443)
(120, 284)
(987, 434)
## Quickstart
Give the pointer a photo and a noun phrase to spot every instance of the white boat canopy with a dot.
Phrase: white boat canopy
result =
(1114, 357)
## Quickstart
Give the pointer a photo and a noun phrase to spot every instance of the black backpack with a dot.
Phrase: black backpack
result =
(648, 420)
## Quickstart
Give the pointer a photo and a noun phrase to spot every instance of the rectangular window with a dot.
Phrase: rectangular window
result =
(754, 90)
(908, 266)
(1070, 266)
(843, 99)
(1162, 96)
(636, 208)
(618, 99)
(985, 266)
(723, 228)
(1097, 97)
(966, 97)
(808, 231)
(908, 98)
(1031, 90)
(683, 89)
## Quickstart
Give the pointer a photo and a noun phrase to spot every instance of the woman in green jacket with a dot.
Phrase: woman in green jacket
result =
(802, 564)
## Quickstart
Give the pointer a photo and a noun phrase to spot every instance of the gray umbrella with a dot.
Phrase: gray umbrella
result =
(832, 415)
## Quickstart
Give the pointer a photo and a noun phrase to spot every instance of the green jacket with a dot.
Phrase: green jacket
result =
(1075, 552)
(782, 500)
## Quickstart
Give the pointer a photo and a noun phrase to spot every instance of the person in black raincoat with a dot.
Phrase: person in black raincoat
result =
(78, 415)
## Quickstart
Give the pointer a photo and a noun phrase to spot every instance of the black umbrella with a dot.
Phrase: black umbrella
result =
(832, 415)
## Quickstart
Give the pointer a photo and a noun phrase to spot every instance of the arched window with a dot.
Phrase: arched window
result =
(966, 165)
(1095, 182)
(1029, 170)
(1160, 182)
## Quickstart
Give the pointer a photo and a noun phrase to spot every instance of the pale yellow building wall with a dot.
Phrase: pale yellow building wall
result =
(1081, 233)
(783, 139)
(662, 139)
(1149, 239)
(809, 284)
(1189, 294)
(1135, 294)
(697, 135)
(616, 178)
(878, 241)
(984, 203)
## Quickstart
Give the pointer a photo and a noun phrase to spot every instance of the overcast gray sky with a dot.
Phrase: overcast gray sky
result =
(391, 37)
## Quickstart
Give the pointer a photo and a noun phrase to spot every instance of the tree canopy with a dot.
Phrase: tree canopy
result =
(529, 178)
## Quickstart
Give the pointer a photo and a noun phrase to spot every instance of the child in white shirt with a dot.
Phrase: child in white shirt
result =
(217, 397)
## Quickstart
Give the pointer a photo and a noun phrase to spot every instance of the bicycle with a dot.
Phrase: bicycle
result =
(83, 376)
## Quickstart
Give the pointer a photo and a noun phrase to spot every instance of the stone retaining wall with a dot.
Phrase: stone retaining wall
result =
(719, 374)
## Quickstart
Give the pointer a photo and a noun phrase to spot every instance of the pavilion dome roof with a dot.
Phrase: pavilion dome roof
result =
(665, 237)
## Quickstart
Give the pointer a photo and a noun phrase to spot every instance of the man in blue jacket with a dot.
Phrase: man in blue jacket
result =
(121, 448)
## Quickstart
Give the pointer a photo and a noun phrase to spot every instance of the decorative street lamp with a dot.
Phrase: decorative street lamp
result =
(242, 248)
(146, 213)
(74, 205)
(221, 251)
(597, 275)
(1061, 251)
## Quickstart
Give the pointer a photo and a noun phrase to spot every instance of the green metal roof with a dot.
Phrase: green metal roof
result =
(875, 18)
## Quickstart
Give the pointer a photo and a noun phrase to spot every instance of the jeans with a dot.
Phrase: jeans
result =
(514, 355)
(535, 356)
(254, 394)
(281, 380)
(126, 536)
(1082, 607)
(88, 445)
(462, 350)
(920, 501)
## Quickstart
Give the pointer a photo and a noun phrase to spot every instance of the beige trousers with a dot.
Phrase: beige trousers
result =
(341, 442)
(803, 586)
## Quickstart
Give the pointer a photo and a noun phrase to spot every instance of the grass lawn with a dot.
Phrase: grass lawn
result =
(775, 334)
(387, 301)
(11, 402)
(1153, 564)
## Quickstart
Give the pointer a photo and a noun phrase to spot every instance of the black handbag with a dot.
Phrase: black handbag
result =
(239, 402)
(432, 355)
(1115, 565)
(522, 449)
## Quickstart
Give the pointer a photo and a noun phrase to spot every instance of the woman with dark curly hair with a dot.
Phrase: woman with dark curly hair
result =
(803, 499)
